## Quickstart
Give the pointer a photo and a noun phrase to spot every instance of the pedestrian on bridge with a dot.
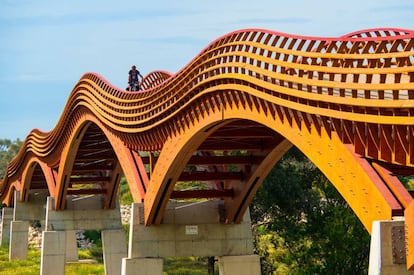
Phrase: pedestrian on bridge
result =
(133, 79)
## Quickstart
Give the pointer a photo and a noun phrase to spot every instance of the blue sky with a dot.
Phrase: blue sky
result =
(46, 46)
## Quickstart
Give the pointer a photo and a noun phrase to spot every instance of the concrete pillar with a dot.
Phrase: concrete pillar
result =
(32, 209)
(190, 229)
(6, 218)
(82, 214)
(239, 265)
(114, 249)
(142, 266)
(387, 253)
(19, 233)
(71, 246)
(53, 253)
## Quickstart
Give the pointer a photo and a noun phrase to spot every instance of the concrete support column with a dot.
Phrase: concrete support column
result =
(114, 249)
(53, 253)
(71, 246)
(190, 229)
(32, 209)
(142, 266)
(19, 232)
(239, 265)
(59, 237)
(82, 214)
(6, 218)
(387, 253)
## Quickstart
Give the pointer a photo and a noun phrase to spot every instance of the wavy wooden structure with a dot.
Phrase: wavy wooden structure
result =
(226, 119)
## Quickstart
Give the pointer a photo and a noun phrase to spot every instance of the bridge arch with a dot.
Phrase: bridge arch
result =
(369, 198)
(9, 193)
(96, 155)
(37, 175)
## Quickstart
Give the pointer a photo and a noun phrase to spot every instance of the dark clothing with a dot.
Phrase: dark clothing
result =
(133, 79)
(133, 76)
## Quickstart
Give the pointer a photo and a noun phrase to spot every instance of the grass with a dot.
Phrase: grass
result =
(187, 266)
(31, 266)
(84, 269)
(28, 267)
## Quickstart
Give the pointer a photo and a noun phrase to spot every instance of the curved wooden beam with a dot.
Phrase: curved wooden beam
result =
(352, 95)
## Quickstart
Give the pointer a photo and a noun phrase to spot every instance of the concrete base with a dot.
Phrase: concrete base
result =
(6, 218)
(19, 231)
(59, 237)
(387, 253)
(71, 246)
(82, 214)
(15, 223)
(190, 229)
(53, 253)
(32, 209)
(239, 265)
(142, 266)
(114, 249)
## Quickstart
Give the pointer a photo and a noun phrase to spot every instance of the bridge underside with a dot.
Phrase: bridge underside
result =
(246, 144)
(223, 156)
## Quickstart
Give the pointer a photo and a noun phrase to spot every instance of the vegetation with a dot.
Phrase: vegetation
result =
(8, 149)
(124, 194)
(186, 266)
(96, 250)
(303, 226)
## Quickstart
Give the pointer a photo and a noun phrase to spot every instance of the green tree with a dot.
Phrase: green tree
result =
(8, 149)
(309, 222)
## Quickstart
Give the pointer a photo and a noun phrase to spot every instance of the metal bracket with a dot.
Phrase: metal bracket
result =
(398, 245)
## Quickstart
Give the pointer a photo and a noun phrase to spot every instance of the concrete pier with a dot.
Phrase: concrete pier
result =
(19, 231)
(114, 250)
(82, 214)
(190, 229)
(23, 214)
(142, 266)
(239, 265)
(6, 219)
(387, 253)
(52, 259)
(71, 246)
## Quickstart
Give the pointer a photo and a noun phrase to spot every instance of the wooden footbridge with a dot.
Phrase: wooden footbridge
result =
(228, 116)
